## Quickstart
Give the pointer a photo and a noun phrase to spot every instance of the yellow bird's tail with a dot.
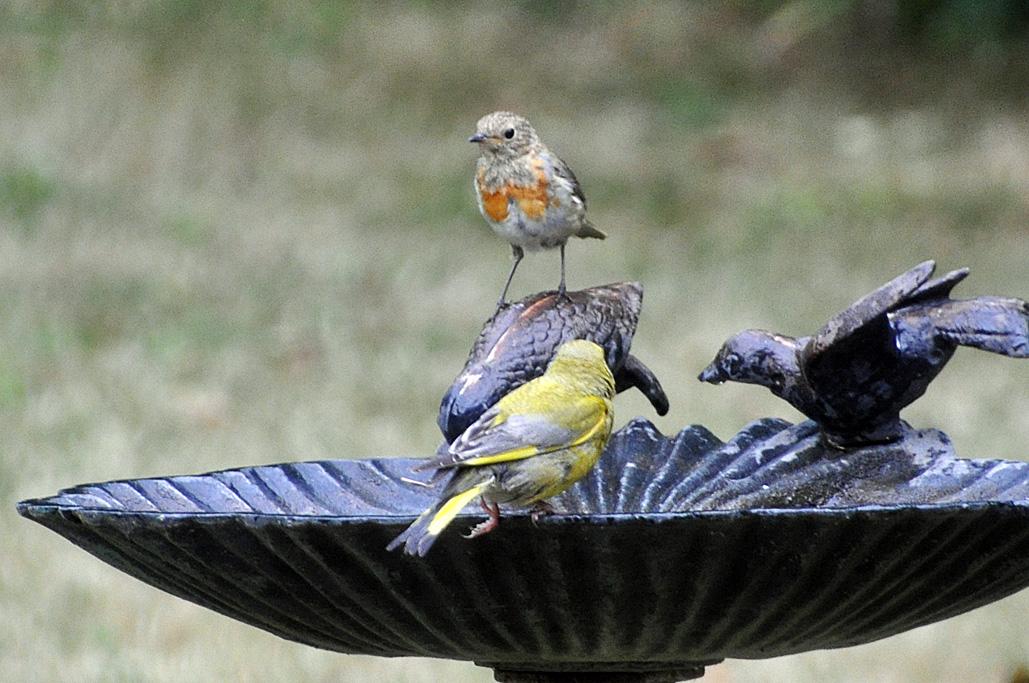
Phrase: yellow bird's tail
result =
(419, 537)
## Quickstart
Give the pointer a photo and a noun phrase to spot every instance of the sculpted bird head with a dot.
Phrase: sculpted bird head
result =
(753, 357)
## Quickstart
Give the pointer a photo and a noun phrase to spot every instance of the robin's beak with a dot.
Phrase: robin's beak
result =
(712, 374)
(478, 137)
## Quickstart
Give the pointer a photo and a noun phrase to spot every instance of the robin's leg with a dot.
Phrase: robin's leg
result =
(561, 287)
(518, 253)
(490, 524)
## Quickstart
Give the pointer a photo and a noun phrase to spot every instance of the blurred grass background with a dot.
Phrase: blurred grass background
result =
(238, 233)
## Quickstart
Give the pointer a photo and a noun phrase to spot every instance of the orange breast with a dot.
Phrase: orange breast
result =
(531, 199)
(495, 205)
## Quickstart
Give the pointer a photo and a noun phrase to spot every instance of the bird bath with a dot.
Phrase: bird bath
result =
(673, 554)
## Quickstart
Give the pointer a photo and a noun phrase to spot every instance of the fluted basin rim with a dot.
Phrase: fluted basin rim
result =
(33, 506)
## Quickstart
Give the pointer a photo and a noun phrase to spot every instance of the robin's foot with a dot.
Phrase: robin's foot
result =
(483, 528)
(540, 509)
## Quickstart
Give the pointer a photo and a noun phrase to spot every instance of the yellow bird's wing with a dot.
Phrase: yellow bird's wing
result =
(498, 436)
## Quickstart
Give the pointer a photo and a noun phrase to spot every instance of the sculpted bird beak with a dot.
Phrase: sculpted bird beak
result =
(712, 374)
(478, 137)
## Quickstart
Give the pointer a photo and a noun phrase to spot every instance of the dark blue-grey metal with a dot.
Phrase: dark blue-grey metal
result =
(672, 554)
(870, 361)
(518, 342)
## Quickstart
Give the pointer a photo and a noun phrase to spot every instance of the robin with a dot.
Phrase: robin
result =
(525, 192)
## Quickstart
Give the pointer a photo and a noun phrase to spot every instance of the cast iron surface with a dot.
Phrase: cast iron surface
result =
(517, 343)
(667, 676)
(672, 554)
(870, 361)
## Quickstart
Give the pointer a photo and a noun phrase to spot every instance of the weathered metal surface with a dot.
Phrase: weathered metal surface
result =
(672, 554)
(518, 342)
(879, 355)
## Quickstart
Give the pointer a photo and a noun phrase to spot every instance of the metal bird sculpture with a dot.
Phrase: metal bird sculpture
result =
(855, 375)
(519, 341)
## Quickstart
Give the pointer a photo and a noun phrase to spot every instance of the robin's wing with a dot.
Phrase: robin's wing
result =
(564, 177)
(494, 438)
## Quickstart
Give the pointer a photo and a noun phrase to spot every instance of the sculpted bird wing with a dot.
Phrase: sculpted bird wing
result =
(865, 318)
(502, 435)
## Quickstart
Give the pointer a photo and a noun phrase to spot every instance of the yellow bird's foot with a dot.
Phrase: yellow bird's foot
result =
(483, 528)
(541, 509)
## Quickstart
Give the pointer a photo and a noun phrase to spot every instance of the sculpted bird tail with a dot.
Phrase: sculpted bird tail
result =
(587, 230)
(634, 373)
(423, 532)
(989, 323)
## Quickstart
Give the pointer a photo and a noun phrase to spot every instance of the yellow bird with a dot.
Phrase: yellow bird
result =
(532, 444)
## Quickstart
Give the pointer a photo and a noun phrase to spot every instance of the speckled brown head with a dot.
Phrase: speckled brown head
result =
(504, 134)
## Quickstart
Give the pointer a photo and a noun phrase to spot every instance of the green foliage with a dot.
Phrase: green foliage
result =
(244, 232)
(188, 230)
(25, 192)
(690, 104)
(12, 387)
(949, 24)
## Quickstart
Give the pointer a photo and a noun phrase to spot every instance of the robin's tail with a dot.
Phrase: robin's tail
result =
(587, 230)
(419, 537)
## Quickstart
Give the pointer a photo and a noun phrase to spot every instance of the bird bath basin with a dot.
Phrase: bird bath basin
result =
(673, 554)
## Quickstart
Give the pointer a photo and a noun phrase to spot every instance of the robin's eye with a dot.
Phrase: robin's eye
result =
(509, 133)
